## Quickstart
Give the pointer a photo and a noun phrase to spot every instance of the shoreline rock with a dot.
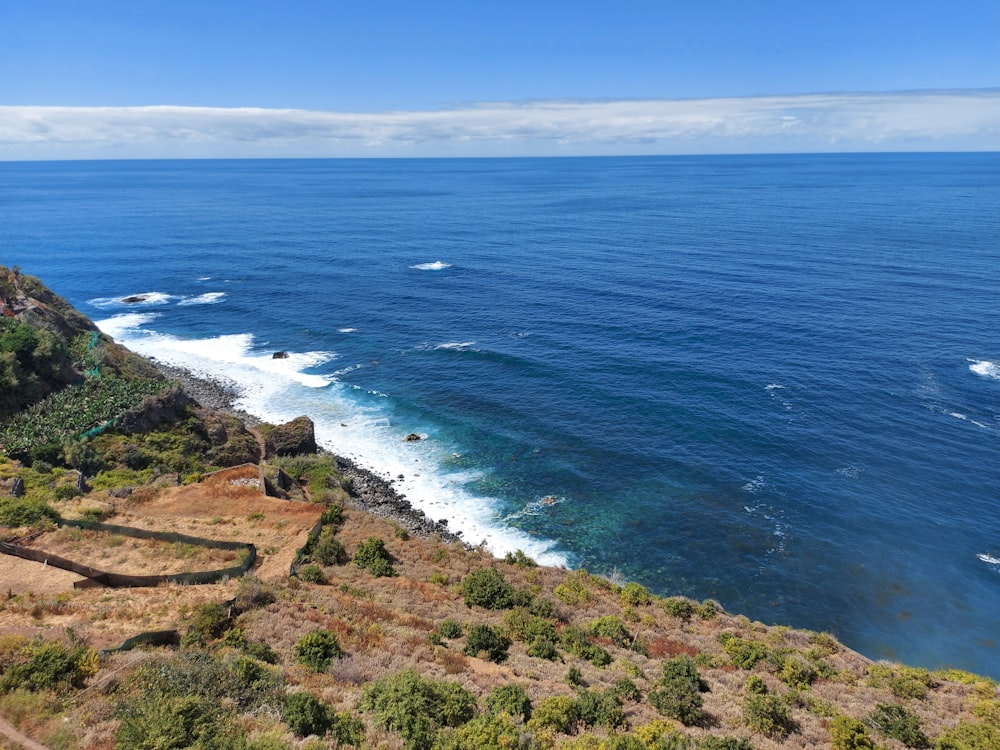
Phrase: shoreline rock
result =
(369, 491)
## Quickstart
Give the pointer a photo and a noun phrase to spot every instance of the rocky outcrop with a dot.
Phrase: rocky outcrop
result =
(167, 407)
(295, 438)
(232, 443)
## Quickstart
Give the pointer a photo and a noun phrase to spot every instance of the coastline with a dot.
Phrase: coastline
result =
(370, 492)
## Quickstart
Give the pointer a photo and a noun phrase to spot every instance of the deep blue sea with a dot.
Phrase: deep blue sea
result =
(769, 380)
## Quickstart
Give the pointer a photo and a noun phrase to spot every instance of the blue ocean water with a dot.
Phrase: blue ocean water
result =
(770, 380)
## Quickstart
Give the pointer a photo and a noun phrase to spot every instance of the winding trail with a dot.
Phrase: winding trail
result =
(10, 731)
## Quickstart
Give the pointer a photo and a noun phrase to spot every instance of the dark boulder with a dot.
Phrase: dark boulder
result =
(411, 438)
(295, 438)
(279, 355)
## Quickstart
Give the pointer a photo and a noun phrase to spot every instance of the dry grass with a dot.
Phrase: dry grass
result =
(385, 624)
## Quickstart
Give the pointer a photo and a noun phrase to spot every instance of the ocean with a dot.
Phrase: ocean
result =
(769, 380)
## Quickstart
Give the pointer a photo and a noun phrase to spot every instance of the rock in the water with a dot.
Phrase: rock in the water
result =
(295, 438)
(133, 299)
(279, 355)
(411, 438)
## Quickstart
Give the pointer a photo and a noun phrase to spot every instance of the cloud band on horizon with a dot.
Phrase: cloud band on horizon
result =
(963, 120)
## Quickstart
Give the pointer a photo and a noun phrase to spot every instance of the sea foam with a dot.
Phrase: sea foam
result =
(357, 427)
(435, 266)
(131, 300)
(203, 299)
(986, 368)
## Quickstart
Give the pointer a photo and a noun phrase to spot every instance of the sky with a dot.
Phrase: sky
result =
(111, 79)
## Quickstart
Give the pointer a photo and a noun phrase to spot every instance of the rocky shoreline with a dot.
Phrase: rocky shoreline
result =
(369, 491)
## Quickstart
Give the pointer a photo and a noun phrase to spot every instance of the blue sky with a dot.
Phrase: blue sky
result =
(73, 74)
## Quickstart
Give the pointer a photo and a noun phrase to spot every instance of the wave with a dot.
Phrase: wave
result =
(130, 300)
(349, 422)
(203, 299)
(455, 345)
(435, 266)
(986, 368)
(347, 330)
(989, 559)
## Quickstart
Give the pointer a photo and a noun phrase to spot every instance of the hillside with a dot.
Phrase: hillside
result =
(285, 599)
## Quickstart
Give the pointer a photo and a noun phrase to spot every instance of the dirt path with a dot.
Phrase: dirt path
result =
(19, 740)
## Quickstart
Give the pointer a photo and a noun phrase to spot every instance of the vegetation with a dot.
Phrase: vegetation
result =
(678, 694)
(372, 555)
(487, 588)
(317, 650)
(417, 707)
(488, 640)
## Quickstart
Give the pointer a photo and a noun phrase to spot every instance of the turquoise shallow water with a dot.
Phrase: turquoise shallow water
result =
(771, 380)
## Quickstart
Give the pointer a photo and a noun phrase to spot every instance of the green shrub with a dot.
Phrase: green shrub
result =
(556, 713)
(488, 639)
(709, 609)
(680, 607)
(743, 653)
(767, 714)
(487, 732)
(894, 721)
(241, 682)
(450, 629)
(903, 682)
(176, 721)
(509, 699)
(310, 573)
(260, 650)
(417, 707)
(251, 592)
(824, 644)
(521, 625)
(517, 557)
(634, 595)
(543, 648)
(317, 650)
(626, 689)
(333, 516)
(306, 715)
(600, 708)
(612, 628)
(678, 693)
(756, 685)
(486, 588)
(969, 735)
(576, 641)
(847, 733)
(796, 672)
(208, 620)
(725, 743)
(574, 588)
(42, 665)
(16, 512)
(574, 677)
(372, 556)
(327, 550)
(347, 729)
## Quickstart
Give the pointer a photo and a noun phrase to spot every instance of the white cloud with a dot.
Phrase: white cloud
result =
(940, 120)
